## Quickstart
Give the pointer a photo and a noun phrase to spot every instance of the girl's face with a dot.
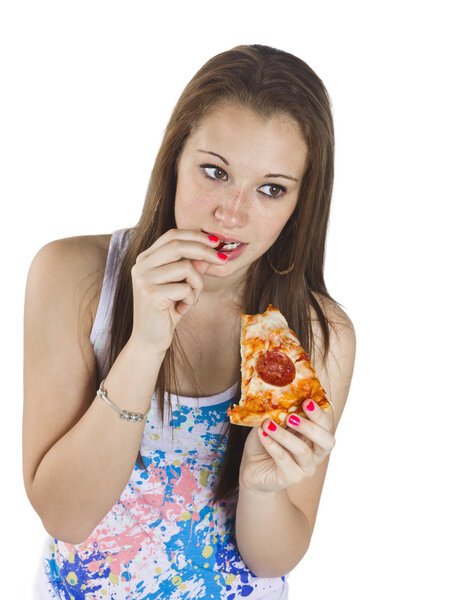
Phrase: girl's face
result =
(239, 178)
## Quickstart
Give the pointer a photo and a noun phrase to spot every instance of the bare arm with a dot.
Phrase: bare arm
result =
(273, 534)
(78, 453)
(82, 476)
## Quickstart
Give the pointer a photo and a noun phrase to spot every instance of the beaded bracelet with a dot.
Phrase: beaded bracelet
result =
(124, 414)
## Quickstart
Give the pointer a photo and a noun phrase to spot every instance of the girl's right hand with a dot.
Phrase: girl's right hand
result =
(167, 282)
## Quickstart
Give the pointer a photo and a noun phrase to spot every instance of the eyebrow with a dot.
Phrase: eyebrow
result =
(267, 175)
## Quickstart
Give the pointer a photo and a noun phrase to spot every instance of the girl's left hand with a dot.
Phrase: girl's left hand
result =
(288, 455)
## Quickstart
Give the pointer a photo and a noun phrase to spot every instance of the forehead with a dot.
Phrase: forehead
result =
(239, 134)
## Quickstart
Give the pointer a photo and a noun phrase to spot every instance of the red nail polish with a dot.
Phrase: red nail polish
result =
(310, 406)
(294, 420)
(265, 434)
(213, 238)
(272, 426)
(222, 256)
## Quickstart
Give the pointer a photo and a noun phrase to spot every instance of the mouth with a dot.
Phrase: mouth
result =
(231, 247)
(226, 244)
(227, 247)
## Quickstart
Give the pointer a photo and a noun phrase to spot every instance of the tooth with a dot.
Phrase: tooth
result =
(231, 245)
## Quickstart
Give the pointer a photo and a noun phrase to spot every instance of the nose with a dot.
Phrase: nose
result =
(232, 209)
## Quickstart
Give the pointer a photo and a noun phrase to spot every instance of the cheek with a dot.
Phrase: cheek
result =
(195, 202)
(190, 190)
(273, 226)
(270, 227)
(190, 202)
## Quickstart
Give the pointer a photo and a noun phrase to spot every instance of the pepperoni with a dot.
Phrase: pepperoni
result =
(276, 368)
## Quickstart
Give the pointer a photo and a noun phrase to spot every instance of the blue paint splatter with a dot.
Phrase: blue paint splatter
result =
(141, 508)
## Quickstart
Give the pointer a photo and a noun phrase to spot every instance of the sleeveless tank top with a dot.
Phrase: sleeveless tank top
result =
(164, 539)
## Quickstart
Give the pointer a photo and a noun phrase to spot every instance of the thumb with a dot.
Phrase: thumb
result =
(201, 266)
(253, 446)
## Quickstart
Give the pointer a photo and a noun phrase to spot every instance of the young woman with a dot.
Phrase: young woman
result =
(147, 321)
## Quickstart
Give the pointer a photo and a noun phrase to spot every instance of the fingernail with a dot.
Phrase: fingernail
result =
(265, 434)
(310, 406)
(272, 426)
(213, 238)
(222, 256)
(294, 420)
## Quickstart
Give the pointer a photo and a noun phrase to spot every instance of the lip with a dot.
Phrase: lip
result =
(222, 237)
(232, 254)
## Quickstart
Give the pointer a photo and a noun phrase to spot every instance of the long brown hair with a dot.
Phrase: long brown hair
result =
(270, 82)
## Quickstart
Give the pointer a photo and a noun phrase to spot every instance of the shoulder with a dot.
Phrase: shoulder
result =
(78, 263)
(83, 249)
(336, 368)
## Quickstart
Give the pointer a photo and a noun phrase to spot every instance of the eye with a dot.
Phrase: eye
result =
(217, 173)
(214, 169)
(275, 187)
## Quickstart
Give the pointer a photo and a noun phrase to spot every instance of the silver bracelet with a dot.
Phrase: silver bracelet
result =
(124, 414)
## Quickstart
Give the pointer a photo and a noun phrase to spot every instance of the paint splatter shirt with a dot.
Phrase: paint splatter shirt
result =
(164, 539)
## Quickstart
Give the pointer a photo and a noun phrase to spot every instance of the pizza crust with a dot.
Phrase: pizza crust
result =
(251, 419)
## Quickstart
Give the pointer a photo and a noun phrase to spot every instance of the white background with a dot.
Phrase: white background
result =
(87, 90)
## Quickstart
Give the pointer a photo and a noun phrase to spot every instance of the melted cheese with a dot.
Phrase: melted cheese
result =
(269, 331)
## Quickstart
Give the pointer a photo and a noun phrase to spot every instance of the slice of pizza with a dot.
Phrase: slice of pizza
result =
(276, 372)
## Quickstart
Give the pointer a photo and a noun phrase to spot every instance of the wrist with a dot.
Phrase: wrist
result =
(139, 349)
(257, 493)
(131, 380)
